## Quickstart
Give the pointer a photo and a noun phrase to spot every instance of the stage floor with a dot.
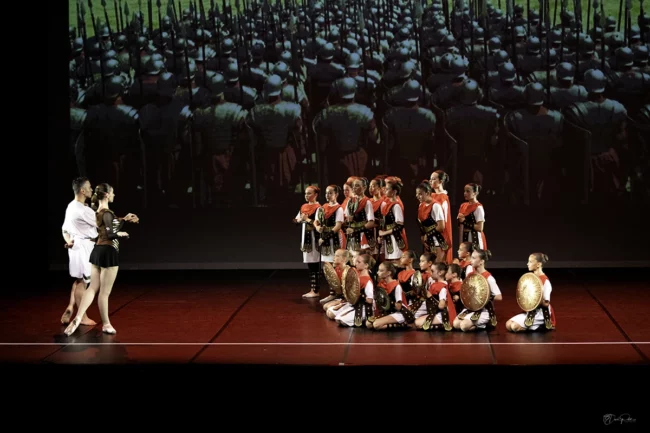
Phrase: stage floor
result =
(259, 317)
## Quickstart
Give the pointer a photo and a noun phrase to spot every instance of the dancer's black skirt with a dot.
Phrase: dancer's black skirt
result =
(104, 256)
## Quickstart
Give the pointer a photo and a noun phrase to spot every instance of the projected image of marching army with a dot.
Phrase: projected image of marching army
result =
(203, 104)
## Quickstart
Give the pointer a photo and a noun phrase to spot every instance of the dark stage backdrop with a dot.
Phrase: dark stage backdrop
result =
(186, 223)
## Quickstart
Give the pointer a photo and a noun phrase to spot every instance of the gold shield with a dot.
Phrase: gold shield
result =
(475, 292)
(332, 278)
(351, 285)
(530, 291)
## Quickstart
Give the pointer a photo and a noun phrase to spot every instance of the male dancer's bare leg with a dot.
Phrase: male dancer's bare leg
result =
(78, 288)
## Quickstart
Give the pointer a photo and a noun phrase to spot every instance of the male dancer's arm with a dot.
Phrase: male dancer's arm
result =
(68, 241)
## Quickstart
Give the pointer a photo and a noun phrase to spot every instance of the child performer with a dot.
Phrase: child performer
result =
(392, 233)
(309, 238)
(341, 259)
(349, 314)
(439, 180)
(405, 275)
(471, 218)
(427, 261)
(394, 318)
(542, 315)
(328, 223)
(479, 319)
(438, 310)
(376, 189)
(347, 191)
(432, 223)
(465, 251)
(455, 283)
(359, 217)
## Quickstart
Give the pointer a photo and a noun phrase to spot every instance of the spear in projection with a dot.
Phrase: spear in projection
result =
(602, 39)
(160, 28)
(101, 47)
(620, 11)
(203, 42)
(293, 28)
(120, 14)
(217, 31)
(485, 47)
(141, 17)
(171, 12)
(189, 93)
(126, 12)
(237, 45)
(116, 9)
(577, 7)
(548, 51)
(361, 26)
(150, 13)
(563, 9)
(628, 21)
(418, 29)
(108, 24)
(92, 17)
(510, 13)
(644, 36)
(84, 37)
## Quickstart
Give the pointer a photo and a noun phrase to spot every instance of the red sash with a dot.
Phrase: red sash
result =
(389, 287)
(454, 288)
(467, 207)
(405, 275)
(435, 290)
(330, 209)
(364, 281)
(309, 209)
(485, 274)
(376, 204)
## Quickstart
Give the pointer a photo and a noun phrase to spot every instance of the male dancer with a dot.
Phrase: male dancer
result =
(79, 231)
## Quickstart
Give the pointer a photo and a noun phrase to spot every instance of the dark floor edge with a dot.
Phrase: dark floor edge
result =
(90, 328)
(230, 319)
(299, 265)
(619, 327)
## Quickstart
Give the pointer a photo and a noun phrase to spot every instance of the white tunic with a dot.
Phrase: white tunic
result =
(399, 219)
(437, 214)
(345, 315)
(538, 321)
(313, 256)
(339, 219)
(80, 224)
(485, 315)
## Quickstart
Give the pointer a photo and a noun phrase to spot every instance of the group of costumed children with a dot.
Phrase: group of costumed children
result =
(367, 233)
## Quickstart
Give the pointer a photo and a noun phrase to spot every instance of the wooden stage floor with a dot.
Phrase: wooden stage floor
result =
(245, 317)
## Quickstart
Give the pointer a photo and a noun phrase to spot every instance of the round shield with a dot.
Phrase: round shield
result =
(475, 292)
(332, 278)
(417, 281)
(530, 291)
(351, 285)
(382, 299)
